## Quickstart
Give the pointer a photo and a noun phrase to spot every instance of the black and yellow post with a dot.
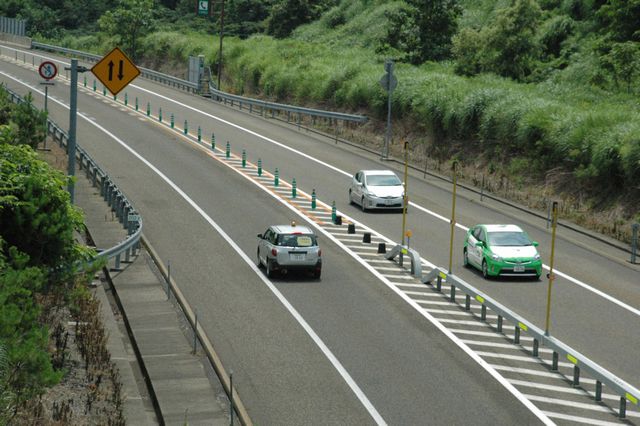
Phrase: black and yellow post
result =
(454, 167)
(554, 224)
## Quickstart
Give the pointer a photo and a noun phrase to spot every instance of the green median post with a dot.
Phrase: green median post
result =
(276, 178)
(148, 109)
(136, 103)
(126, 99)
(313, 199)
(199, 134)
(333, 212)
(293, 188)
(186, 127)
(227, 151)
(85, 81)
(213, 141)
(244, 158)
(115, 97)
(160, 115)
(104, 91)
(259, 167)
(173, 121)
(94, 85)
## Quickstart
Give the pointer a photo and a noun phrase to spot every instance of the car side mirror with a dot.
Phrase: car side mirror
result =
(260, 236)
(534, 243)
(479, 243)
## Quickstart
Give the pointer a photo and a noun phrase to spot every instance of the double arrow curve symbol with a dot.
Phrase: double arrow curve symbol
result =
(120, 70)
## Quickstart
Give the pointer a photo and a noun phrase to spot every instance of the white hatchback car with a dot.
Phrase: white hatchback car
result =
(376, 189)
(284, 248)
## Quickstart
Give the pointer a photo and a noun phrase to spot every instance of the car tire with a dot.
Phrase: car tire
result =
(485, 270)
(270, 272)
(362, 205)
(316, 274)
(259, 261)
(465, 258)
(350, 198)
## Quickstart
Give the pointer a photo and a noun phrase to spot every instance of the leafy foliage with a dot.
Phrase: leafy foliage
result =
(130, 20)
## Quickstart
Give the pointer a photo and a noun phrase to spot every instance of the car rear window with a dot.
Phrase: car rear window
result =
(297, 240)
(383, 180)
(508, 239)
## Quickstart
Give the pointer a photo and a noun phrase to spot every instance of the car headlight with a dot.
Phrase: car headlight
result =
(537, 256)
(496, 257)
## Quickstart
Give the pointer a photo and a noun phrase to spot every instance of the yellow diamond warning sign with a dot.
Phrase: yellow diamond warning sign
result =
(115, 71)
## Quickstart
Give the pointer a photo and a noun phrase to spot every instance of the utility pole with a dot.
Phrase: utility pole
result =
(220, 49)
(388, 82)
(73, 112)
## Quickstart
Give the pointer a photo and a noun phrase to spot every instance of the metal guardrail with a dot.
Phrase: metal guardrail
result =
(145, 72)
(266, 106)
(124, 210)
(216, 94)
(581, 363)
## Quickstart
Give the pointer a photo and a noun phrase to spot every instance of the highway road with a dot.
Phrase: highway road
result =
(352, 348)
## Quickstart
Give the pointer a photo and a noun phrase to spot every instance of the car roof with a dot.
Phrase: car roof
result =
(502, 228)
(288, 229)
(377, 172)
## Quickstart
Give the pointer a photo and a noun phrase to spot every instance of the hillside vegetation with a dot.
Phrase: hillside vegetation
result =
(540, 94)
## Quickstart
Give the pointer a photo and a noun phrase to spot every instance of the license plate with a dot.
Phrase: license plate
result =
(518, 268)
(389, 202)
(296, 256)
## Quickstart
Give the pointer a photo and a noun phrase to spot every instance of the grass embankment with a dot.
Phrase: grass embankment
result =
(558, 139)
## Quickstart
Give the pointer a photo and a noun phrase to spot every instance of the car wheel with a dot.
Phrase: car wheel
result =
(364, 207)
(350, 198)
(465, 258)
(259, 261)
(270, 271)
(485, 269)
(316, 274)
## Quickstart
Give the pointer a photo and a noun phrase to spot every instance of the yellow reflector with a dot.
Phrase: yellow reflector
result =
(443, 275)
(572, 358)
(480, 299)
(632, 398)
(404, 251)
(522, 326)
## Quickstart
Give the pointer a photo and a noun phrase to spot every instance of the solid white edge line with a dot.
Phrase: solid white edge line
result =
(327, 352)
(336, 169)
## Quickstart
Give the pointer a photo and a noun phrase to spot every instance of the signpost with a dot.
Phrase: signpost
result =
(203, 7)
(115, 71)
(47, 70)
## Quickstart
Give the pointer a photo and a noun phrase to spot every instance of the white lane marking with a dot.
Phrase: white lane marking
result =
(580, 405)
(563, 389)
(317, 340)
(486, 334)
(373, 412)
(433, 302)
(414, 286)
(578, 419)
(521, 358)
(555, 375)
(468, 314)
(513, 346)
(460, 322)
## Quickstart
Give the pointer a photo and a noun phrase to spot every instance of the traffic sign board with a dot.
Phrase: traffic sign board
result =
(203, 7)
(389, 82)
(48, 70)
(115, 71)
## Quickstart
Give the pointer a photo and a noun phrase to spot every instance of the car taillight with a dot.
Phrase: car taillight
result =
(319, 253)
(274, 252)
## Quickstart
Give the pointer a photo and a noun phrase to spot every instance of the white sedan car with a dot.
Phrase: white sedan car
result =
(376, 189)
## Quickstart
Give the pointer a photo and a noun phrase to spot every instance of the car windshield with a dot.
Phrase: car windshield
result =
(297, 240)
(508, 239)
(383, 180)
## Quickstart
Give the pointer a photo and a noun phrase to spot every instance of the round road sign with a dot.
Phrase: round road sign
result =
(48, 70)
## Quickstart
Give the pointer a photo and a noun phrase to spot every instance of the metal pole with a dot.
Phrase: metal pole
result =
(554, 209)
(221, 36)
(46, 98)
(634, 241)
(453, 216)
(73, 106)
(387, 135)
(406, 185)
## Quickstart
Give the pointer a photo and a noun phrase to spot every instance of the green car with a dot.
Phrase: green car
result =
(502, 250)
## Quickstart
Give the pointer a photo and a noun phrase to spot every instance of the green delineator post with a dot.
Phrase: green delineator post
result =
(227, 152)
(160, 115)
(276, 178)
(199, 134)
(293, 188)
(186, 127)
(148, 109)
(259, 166)
(313, 199)
(173, 121)
(136, 103)
(94, 85)
(126, 99)
(333, 212)
(85, 81)
(244, 158)
(213, 141)
(104, 91)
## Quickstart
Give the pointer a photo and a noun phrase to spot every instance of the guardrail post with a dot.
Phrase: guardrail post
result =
(453, 293)
(439, 283)
(483, 313)
(634, 241)
(467, 303)
(576, 376)
(94, 176)
(535, 350)
(554, 361)
(623, 407)
(117, 267)
(500, 323)
(516, 335)
(598, 390)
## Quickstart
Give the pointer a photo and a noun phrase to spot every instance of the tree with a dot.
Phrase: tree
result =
(29, 123)
(128, 22)
(621, 19)
(625, 62)
(286, 16)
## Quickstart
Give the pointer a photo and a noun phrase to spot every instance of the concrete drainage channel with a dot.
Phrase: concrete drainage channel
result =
(554, 386)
